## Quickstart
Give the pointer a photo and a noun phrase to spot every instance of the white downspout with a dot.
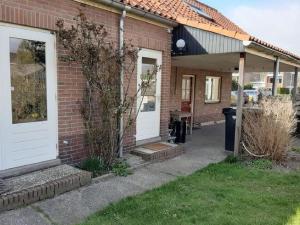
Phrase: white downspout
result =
(121, 44)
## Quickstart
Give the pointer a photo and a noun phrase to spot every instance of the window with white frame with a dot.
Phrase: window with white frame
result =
(212, 89)
(186, 88)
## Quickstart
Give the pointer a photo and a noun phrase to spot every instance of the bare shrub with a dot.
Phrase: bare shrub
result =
(267, 130)
(102, 107)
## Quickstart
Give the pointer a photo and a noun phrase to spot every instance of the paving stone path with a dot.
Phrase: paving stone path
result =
(206, 147)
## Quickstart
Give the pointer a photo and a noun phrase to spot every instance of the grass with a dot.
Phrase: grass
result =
(221, 194)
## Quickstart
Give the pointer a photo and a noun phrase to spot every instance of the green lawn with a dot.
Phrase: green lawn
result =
(220, 194)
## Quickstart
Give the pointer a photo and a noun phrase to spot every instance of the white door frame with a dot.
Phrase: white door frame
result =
(6, 127)
(193, 90)
(148, 123)
(192, 98)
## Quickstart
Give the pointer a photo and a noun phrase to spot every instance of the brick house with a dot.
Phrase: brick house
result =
(265, 80)
(197, 47)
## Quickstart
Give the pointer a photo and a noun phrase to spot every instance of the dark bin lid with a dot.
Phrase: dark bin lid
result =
(229, 111)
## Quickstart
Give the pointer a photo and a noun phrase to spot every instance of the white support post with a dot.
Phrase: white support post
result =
(295, 89)
(239, 106)
(275, 76)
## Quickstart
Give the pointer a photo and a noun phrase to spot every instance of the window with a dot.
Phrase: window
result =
(200, 11)
(28, 80)
(212, 89)
(186, 89)
(272, 80)
(149, 93)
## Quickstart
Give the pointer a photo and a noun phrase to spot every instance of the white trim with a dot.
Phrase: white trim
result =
(193, 98)
(14, 131)
(270, 57)
(148, 123)
(55, 93)
(23, 27)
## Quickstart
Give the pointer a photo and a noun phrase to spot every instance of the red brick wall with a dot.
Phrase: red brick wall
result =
(43, 14)
(202, 112)
(157, 38)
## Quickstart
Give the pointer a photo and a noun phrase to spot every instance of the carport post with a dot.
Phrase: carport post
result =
(275, 76)
(295, 89)
(239, 106)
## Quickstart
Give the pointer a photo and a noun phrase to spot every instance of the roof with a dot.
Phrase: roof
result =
(181, 12)
(273, 47)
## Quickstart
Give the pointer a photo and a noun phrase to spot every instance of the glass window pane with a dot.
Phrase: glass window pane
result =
(148, 89)
(148, 104)
(212, 89)
(28, 81)
(188, 95)
(183, 94)
(183, 84)
(188, 83)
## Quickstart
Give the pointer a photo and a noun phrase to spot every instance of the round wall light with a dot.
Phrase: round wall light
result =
(180, 44)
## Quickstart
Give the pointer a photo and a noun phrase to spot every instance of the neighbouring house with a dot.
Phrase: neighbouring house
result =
(285, 81)
(257, 80)
(197, 47)
(265, 80)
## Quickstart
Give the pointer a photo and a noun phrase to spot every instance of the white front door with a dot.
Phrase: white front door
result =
(148, 103)
(28, 108)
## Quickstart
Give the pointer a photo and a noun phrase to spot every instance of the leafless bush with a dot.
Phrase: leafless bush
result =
(267, 131)
(101, 60)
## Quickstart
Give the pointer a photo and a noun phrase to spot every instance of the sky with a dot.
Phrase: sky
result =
(274, 21)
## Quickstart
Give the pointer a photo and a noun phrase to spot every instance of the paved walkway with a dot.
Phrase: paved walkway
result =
(206, 147)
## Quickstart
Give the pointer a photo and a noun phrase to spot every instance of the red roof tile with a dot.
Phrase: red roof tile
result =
(181, 12)
(273, 47)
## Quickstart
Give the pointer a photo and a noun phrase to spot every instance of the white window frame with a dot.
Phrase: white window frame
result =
(207, 101)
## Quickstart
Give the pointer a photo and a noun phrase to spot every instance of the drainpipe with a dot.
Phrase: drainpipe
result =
(148, 15)
(121, 45)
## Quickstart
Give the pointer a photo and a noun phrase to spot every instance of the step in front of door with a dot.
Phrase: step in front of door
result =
(158, 151)
(40, 185)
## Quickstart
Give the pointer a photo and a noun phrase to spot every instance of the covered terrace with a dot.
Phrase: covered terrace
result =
(199, 49)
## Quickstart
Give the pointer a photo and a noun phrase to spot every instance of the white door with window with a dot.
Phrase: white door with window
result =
(148, 101)
(28, 108)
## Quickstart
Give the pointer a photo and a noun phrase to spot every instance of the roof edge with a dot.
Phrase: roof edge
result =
(271, 47)
(143, 13)
(214, 29)
(272, 53)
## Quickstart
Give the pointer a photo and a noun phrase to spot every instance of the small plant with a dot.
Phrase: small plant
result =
(248, 87)
(231, 159)
(283, 91)
(296, 149)
(121, 168)
(234, 85)
(95, 165)
(262, 164)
